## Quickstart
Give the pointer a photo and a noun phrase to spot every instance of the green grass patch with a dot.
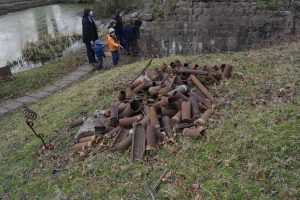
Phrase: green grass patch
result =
(34, 79)
(251, 150)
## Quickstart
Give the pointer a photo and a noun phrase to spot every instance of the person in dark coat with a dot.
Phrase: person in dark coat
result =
(128, 36)
(137, 23)
(119, 25)
(89, 33)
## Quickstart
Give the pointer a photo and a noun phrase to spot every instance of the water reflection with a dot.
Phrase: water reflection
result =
(19, 27)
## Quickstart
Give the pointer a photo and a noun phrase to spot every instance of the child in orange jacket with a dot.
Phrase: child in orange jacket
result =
(114, 46)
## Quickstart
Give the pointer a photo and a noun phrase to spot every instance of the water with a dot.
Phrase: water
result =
(28, 25)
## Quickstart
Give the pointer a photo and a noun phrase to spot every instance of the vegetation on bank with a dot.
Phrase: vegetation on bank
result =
(48, 47)
(250, 152)
(34, 79)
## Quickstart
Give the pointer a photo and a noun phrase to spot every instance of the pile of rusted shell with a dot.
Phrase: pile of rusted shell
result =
(162, 103)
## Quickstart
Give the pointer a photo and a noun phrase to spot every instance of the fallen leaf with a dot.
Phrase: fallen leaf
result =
(167, 177)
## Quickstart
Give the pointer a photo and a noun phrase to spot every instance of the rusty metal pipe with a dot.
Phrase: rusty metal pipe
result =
(193, 132)
(166, 121)
(145, 120)
(151, 138)
(181, 88)
(163, 102)
(114, 116)
(204, 117)
(121, 107)
(124, 145)
(112, 133)
(153, 117)
(227, 72)
(195, 107)
(131, 109)
(77, 122)
(186, 107)
(145, 84)
(135, 83)
(167, 111)
(176, 118)
(128, 121)
(202, 88)
(179, 95)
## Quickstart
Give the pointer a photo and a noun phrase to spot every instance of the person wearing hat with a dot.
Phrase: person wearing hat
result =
(89, 33)
(114, 46)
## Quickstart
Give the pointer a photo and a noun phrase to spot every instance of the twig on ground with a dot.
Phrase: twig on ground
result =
(157, 184)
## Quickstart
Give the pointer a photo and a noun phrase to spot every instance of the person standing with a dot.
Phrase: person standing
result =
(119, 26)
(89, 33)
(128, 35)
(114, 46)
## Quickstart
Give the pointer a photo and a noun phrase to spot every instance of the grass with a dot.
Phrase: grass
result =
(34, 79)
(251, 150)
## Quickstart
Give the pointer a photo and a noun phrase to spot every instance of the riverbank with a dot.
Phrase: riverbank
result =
(251, 150)
(25, 82)
(8, 6)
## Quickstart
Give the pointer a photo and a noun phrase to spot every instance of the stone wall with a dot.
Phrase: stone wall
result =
(192, 27)
(7, 6)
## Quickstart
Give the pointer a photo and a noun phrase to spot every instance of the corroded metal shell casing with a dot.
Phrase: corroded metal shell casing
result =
(186, 109)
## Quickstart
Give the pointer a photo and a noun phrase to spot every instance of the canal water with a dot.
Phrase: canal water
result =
(28, 25)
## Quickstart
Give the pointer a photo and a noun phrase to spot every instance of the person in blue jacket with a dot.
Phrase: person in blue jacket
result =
(99, 52)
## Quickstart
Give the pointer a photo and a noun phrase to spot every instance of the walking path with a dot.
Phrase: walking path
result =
(12, 104)
(34, 97)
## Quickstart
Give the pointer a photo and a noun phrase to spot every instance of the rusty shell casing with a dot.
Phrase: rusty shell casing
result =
(113, 132)
(144, 85)
(135, 83)
(119, 137)
(88, 138)
(195, 107)
(186, 114)
(154, 90)
(128, 121)
(152, 74)
(145, 109)
(202, 88)
(179, 95)
(133, 108)
(77, 122)
(200, 98)
(227, 72)
(181, 88)
(211, 78)
(163, 102)
(122, 95)
(191, 71)
(121, 107)
(166, 121)
(125, 144)
(212, 72)
(176, 118)
(114, 116)
(83, 145)
(150, 137)
(99, 127)
(153, 117)
(204, 117)
(193, 132)
(159, 135)
(168, 111)
(138, 142)
(202, 107)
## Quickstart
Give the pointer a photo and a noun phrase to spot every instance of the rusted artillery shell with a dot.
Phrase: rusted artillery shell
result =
(88, 138)
(202, 88)
(128, 121)
(179, 95)
(204, 117)
(213, 73)
(138, 142)
(159, 135)
(99, 127)
(191, 71)
(131, 109)
(181, 88)
(83, 145)
(164, 91)
(113, 132)
(176, 118)
(135, 83)
(121, 107)
(151, 138)
(122, 95)
(167, 111)
(195, 107)
(193, 132)
(153, 117)
(227, 72)
(124, 145)
(154, 90)
(152, 74)
(114, 116)
(119, 137)
(163, 102)
(166, 121)
(211, 78)
(145, 84)
(77, 122)
(202, 107)
(200, 97)
(186, 107)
